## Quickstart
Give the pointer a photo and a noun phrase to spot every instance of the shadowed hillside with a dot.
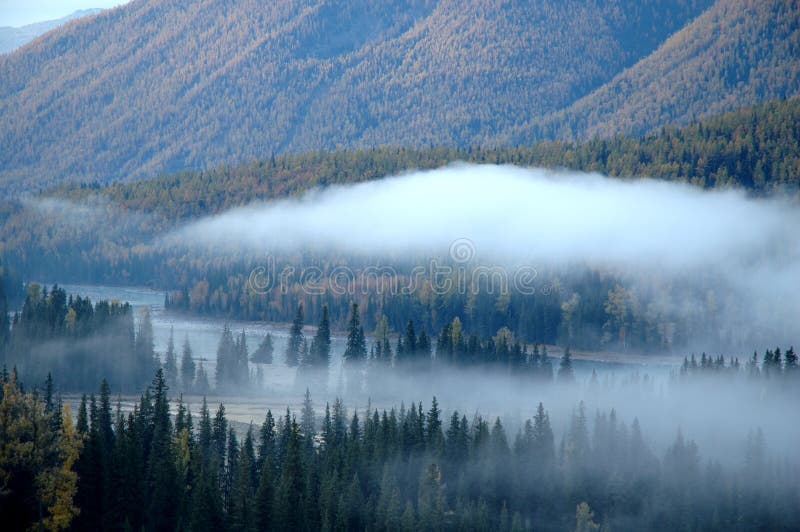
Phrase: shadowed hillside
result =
(157, 86)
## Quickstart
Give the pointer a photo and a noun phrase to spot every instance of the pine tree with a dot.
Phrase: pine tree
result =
(543, 443)
(321, 343)
(790, 364)
(307, 422)
(264, 497)
(231, 469)
(410, 341)
(226, 370)
(423, 347)
(201, 385)
(171, 363)
(263, 355)
(294, 347)
(565, 373)
(289, 497)
(355, 353)
(146, 359)
(161, 470)
(266, 445)
(431, 502)
(434, 438)
(188, 368)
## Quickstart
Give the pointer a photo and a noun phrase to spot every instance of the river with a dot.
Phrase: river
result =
(278, 391)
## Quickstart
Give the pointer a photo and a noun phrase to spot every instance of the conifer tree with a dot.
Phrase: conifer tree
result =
(321, 343)
(161, 472)
(201, 385)
(264, 497)
(355, 353)
(263, 354)
(295, 345)
(146, 360)
(188, 367)
(289, 496)
(171, 363)
(565, 373)
(226, 370)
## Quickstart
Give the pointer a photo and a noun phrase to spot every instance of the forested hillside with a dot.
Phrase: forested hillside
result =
(157, 86)
(736, 53)
(756, 148)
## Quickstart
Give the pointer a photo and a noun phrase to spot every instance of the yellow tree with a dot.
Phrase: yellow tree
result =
(59, 483)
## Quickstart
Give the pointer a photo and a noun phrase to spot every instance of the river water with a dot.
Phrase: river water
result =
(204, 333)
(278, 390)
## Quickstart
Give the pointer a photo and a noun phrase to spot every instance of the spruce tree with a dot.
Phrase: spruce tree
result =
(294, 347)
(264, 498)
(161, 470)
(187, 367)
(263, 354)
(171, 363)
(146, 360)
(355, 353)
(321, 343)
(289, 496)
(565, 373)
(226, 370)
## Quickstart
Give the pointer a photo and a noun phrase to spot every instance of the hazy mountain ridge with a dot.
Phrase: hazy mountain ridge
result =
(154, 86)
(12, 38)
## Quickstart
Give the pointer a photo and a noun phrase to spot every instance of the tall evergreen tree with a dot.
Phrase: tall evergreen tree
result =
(289, 495)
(321, 343)
(355, 353)
(146, 360)
(171, 362)
(188, 367)
(161, 470)
(565, 373)
(263, 354)
(226, 370)
(295, 345)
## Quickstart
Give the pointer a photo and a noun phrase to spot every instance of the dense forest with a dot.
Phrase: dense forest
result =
(390, 469)
(77, 340)
(755, 148)
(735, 48)
(155, 87)
(569, 225)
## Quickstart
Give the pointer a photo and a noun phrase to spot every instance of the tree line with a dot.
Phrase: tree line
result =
(391, 469)
(78, 340)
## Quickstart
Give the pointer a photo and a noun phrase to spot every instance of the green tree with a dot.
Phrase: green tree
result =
(263, 354)
(565, 373)
(295, 347)
(161, 469)
(171, 362)
(188, 368)
(355, 353)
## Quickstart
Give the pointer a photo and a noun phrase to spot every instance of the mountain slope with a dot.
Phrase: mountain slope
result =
(755, 148)
(156, 86)
(736, 53)
(13, 38)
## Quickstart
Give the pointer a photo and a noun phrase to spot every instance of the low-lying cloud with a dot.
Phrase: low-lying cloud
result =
(518, 214)
(639, 229)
